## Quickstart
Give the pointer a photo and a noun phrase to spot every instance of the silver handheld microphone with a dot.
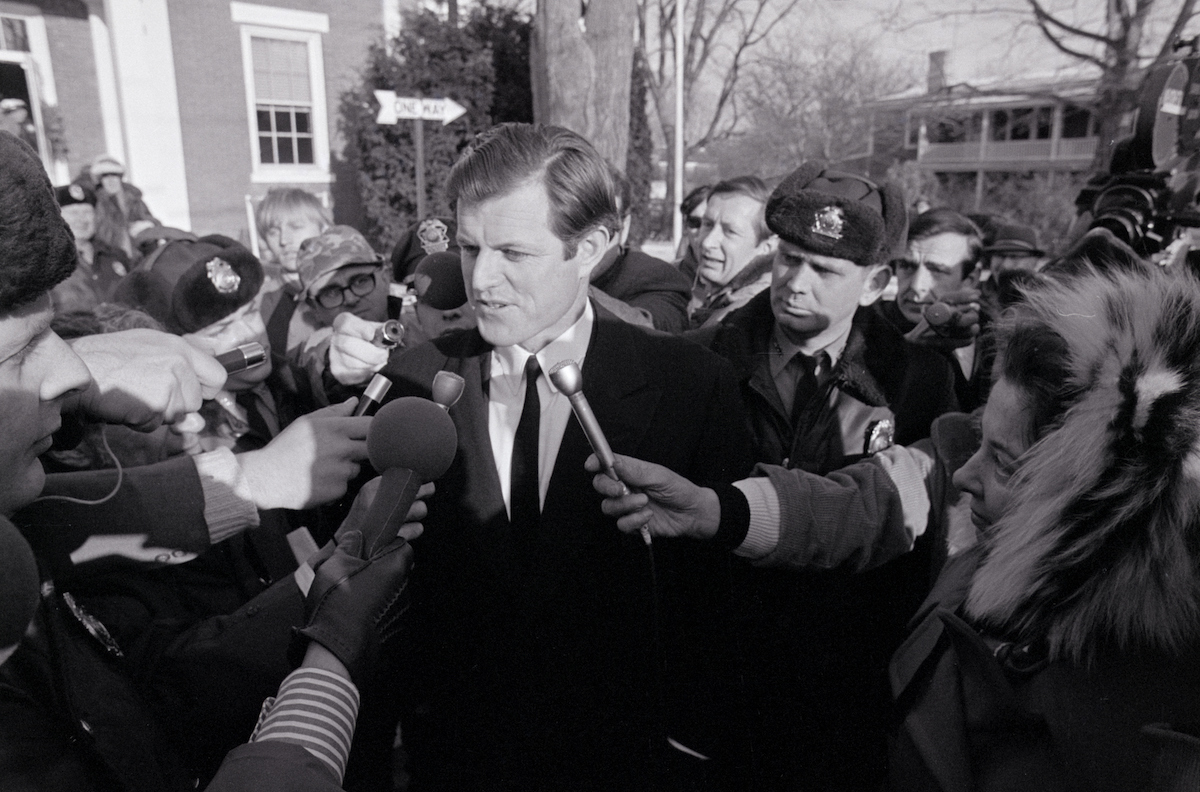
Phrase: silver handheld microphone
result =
(567, 377)
(447, 389)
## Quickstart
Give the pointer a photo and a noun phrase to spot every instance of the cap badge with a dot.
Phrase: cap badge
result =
(76, 192)
(433, 235)
(829, 222)
(223, 278)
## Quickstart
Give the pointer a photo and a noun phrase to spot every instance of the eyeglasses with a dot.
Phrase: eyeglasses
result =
(360, 286)
(693, 223)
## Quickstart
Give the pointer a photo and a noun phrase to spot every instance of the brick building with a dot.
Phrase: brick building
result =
(205, 101)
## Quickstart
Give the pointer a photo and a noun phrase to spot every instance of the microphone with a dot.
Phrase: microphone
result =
(377, 388)
(389, 335)
(939, 314)
(410, 441)
(447, 389)
(567, 377)
(243, 357)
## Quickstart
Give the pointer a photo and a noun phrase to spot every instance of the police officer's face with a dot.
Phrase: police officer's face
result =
(814, 296)
(37, 371)
(81, 217)
(240, 327)
(522, 286)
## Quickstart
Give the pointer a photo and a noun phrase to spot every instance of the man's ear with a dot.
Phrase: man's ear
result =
(590, 250)
(767, 246)
(874, 284)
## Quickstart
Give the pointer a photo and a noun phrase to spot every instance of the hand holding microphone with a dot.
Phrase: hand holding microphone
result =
(949, 323)
(567, 377)
(354, 356)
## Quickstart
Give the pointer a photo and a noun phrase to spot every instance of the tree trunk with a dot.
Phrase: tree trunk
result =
(580, 77)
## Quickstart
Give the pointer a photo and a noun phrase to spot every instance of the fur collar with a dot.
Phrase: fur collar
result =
(1101, 547)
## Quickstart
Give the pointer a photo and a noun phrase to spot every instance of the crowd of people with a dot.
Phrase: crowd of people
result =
(899, 500)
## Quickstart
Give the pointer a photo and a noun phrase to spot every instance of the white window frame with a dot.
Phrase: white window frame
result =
(286, 25)
(39, 78)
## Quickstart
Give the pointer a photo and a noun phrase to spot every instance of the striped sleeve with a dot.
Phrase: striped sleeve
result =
(315, 709)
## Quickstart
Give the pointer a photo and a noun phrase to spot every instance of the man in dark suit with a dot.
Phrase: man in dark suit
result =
(550, 650)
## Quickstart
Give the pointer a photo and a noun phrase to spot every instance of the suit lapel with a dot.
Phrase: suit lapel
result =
(623, 397)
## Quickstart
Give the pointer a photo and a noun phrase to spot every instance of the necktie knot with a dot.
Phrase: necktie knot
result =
(525, 493)
(532, 370)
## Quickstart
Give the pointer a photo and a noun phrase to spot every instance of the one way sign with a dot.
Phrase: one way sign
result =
(393, 108)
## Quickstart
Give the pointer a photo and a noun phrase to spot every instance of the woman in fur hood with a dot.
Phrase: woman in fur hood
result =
(1063, 651)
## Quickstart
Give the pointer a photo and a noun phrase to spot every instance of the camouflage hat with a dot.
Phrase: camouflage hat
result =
(336, 247)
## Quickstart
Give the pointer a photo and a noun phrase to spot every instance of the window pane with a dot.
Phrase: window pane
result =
(1021, 124)
(285, 150)
(264, 120)
(15, 37)
(283, 121)
(265, 154)
(999, 125)
(1045, 122)
(280, 70)
(302, 121)
(304, 150)
(1075, 122)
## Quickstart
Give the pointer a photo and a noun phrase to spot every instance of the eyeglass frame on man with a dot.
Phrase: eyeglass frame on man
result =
(315, 299)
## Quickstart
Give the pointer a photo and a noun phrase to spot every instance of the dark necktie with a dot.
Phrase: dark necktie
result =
(808, 380)
(526, 509)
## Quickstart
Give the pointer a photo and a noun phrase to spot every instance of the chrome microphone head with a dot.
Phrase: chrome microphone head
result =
(447, 388)
(567, 377)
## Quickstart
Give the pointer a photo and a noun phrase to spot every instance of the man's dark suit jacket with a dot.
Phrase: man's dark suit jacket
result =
(561, 660)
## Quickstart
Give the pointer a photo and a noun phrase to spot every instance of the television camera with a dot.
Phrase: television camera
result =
(1149, 197)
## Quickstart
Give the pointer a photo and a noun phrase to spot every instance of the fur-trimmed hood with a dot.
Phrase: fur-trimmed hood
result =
(1100, 547)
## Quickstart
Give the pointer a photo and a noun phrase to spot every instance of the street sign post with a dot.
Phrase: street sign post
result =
(393, 109)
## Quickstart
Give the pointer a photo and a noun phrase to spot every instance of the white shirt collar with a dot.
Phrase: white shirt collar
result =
(509, 361)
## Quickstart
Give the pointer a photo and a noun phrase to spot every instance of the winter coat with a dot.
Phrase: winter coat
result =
(818, 642)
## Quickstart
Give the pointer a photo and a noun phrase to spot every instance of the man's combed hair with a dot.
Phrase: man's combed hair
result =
(578, 181)
(947, 221)
(37, 248)
(753, 188)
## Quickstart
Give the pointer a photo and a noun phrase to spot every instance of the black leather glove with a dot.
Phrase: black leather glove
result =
(355, 605)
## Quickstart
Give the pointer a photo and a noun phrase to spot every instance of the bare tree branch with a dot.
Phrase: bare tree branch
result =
(1044, 17)
(1058, 44)
(1186, 12)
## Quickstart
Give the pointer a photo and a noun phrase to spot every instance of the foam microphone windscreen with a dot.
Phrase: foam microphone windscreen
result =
(412, 433)
(939, 314)
(410, 441)
(19, 584)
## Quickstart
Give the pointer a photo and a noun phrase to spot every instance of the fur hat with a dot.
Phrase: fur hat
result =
(837, 214)
(37, 248)
(190, 285)
(1100, 546)
(438, 281)
(74, 193)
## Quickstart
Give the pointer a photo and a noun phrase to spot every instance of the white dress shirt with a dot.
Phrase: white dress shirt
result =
(506, 399)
